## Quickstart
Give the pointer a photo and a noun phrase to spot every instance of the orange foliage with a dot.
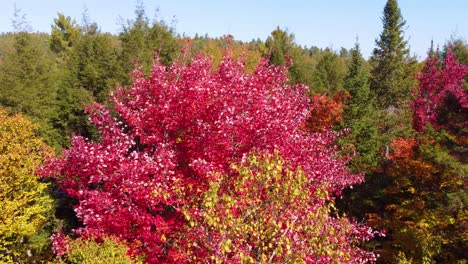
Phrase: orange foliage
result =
(403, 148)
(326, 112)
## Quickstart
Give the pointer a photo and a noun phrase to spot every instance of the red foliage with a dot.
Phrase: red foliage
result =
(435, 85)
(175, 132)
(326, 112)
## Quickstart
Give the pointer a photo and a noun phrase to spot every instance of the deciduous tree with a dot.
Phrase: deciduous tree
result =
(26, 207)
(177, 134)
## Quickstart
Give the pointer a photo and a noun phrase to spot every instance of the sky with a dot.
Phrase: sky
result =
(321, 23)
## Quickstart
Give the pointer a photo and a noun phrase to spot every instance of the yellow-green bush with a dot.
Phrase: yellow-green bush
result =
(89, 251)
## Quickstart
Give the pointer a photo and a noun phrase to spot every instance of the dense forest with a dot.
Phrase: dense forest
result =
(148, 146)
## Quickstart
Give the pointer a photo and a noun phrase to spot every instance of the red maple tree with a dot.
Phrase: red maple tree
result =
(439, 87)
(174, 133)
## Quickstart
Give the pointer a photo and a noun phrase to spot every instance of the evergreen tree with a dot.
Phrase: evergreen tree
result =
(329, 73)
(142, 42)
(89, 70)
(390, 80)
(65, 33)
(360, 114)
(280, 48)
(27, 79)
(361, 117)
(279, 44)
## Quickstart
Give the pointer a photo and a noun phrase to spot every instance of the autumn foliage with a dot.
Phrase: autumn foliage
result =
(268, 213)
(326, 112)
(26, 207)
(187, 134)
(439, 88)
(424, 207)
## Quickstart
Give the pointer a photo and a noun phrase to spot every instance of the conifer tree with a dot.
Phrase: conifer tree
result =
(280, 48)
(89, 73)
(360, 114)
(27, 78)
(142, 42)
(329, 73)
(65, 33)
(390, 81)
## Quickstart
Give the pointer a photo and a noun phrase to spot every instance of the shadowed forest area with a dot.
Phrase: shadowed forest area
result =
(148, 146)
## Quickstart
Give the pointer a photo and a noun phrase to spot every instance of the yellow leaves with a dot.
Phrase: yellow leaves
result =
(23, 199)
(226, 246)
(268, 209)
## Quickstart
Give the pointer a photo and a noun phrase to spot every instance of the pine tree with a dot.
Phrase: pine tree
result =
(390, 81)
(89, 74)
(65, 33)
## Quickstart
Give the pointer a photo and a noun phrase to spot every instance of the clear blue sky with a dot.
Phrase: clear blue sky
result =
(322, 23)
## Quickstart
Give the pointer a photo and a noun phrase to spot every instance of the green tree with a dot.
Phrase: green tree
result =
(65, 33)
(329, 73)
(360, 114)
(89, 74)
(142, 42)
(391, 79)
(27, 80)
(280, 47)
(27, 209)
(361, 117)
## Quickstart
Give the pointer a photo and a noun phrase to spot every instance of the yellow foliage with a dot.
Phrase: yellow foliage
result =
(23, 200)
(251, 217)
(89, 251)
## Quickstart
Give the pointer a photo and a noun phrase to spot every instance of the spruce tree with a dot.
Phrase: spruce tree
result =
(390, 81)
(360, 114)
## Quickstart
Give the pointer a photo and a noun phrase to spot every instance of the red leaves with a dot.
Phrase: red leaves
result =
(435, 85)
(174, 133)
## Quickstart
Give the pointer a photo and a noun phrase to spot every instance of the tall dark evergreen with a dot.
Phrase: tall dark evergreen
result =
(390, 80)
(360, 114)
